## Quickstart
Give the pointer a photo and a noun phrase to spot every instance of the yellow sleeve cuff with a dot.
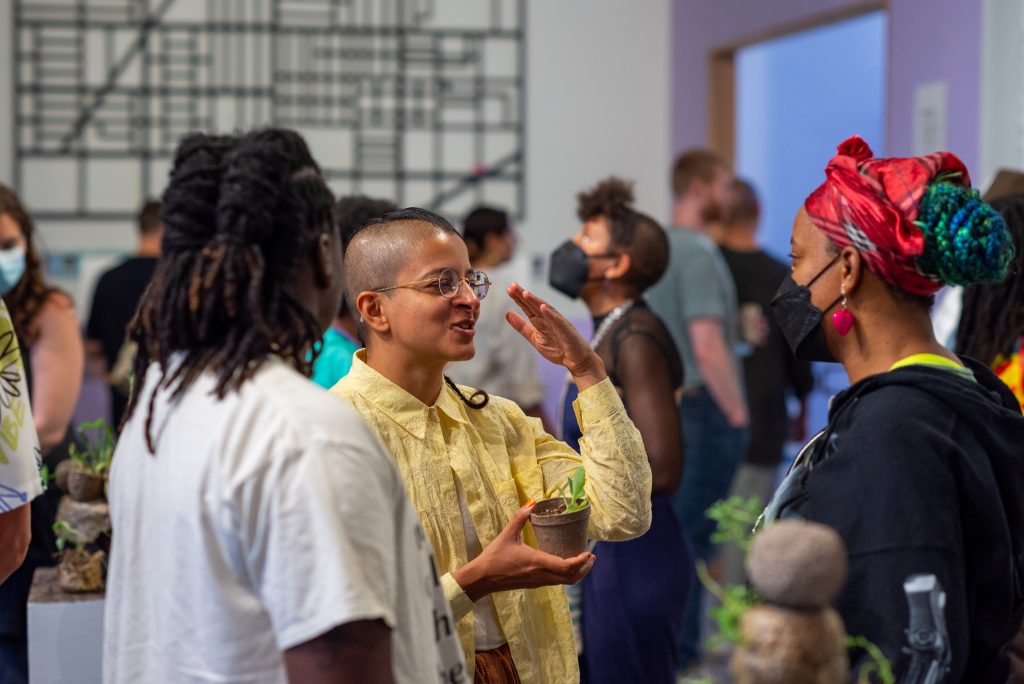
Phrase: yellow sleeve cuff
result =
(597, 403)
(457, 598)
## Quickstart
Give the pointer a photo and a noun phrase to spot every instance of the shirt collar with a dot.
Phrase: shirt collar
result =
(396, 403)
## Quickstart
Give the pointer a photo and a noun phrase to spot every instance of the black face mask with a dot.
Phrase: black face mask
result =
(569, 271)
(800, 321)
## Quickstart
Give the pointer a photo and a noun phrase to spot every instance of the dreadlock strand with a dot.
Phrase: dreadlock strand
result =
(148, 429)
(239, 216)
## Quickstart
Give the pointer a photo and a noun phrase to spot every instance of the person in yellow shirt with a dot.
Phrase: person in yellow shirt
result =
(474, 464)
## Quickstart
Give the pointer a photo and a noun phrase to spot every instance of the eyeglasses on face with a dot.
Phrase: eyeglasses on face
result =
(448, 283)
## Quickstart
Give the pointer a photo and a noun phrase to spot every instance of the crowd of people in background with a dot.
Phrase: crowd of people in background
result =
(372, 525)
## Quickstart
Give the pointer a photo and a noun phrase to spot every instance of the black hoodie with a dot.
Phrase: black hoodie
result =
(921, 471)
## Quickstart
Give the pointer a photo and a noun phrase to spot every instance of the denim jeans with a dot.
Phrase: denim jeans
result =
(713, 451)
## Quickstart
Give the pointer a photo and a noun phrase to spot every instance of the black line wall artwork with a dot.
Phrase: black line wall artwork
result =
(421, 101)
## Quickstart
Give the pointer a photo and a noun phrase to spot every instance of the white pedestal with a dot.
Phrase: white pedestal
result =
(65, 634)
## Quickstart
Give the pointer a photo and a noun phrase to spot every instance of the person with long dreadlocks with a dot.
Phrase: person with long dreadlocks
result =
(921, 467)
(474, 464)
(261, 532)
(992, 319)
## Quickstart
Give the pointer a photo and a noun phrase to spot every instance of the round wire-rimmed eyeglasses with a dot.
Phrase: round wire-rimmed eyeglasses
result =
(448, 283)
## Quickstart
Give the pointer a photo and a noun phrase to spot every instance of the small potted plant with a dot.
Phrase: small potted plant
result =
(560, 523)
(78, 571)
(83, 478)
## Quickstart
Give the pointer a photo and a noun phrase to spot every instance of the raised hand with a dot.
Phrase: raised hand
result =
(555, 338)
(508, 563)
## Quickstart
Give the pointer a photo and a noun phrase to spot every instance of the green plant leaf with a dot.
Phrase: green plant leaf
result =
(578, 479)
(98, 439)
(576, 499)
(734, 520)
(66, 534)
(735, 601)
(878, 664)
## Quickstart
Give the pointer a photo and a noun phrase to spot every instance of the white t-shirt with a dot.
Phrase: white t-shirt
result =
(20, 456)
(487, 634)
(262, 521)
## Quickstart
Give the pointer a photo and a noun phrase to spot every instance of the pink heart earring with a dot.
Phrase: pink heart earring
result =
(842, 319)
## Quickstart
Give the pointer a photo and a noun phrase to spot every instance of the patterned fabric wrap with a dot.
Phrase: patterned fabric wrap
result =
(872, 204)
(1011, 371)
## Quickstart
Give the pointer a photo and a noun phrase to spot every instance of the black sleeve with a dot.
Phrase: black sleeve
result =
(886, 484)
(646, 380)
(94, 328)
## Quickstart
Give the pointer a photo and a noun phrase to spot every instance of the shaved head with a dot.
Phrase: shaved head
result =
(385, 245)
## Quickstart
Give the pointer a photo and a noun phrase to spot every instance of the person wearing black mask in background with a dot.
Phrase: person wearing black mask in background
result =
(633, 601)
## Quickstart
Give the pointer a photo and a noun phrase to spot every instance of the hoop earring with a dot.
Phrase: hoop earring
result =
(842, 320)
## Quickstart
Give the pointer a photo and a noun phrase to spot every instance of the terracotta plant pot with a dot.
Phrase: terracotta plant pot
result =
(84, 486)
(80, 572)
(560, 534)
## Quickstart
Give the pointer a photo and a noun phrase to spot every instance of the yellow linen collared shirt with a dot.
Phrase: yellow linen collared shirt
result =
(502, 458)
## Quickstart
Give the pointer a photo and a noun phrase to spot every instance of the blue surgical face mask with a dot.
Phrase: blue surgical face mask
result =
(12, 268)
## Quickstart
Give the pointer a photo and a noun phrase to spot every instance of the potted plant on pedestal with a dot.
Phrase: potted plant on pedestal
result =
(79, 570)
(84, 474)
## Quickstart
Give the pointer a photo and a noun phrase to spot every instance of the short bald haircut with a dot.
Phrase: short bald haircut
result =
(355, 211)
(381, 248)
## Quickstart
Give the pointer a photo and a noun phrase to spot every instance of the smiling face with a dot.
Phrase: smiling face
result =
(430, 327)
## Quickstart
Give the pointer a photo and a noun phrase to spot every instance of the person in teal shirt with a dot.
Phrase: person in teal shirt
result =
(340, 341)
(335, 357)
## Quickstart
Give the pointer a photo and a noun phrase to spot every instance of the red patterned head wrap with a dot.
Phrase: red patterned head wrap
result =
(872, 204)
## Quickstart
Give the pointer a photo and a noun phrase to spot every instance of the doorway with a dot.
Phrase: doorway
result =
(797, 97)
(794, 97)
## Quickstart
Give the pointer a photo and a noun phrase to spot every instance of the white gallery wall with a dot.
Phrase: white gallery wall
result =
(596, 104)
(1002, 88)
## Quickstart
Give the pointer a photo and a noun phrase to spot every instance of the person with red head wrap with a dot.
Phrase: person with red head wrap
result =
(873, 204)
(921, 466)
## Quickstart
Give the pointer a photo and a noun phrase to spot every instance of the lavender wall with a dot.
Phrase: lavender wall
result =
(928, 40)
(934, 40)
